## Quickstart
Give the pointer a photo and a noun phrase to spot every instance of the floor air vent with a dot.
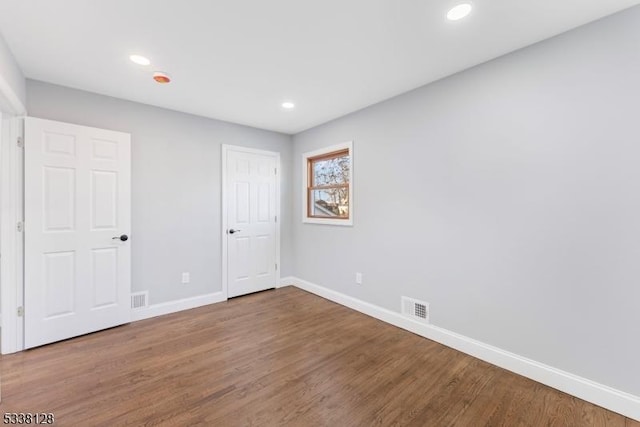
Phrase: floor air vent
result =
(415, 309)
(140, 299)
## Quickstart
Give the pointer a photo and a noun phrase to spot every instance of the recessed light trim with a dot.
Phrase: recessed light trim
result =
(459, 11)
(288, 105)
(140, 60)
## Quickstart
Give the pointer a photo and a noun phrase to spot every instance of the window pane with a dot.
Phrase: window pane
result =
(330, 203)
(331, 171)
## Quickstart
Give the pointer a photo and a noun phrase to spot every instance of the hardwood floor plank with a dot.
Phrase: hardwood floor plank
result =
(277, 358)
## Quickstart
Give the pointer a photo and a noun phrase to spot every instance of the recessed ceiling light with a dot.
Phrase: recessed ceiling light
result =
(140, 60)
(288, 105)
(459, 11)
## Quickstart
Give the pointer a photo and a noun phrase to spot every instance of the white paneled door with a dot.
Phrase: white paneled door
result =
(251, 200)
(77, 222)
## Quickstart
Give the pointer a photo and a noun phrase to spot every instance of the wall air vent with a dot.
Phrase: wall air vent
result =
(140, 299)
(418, 310)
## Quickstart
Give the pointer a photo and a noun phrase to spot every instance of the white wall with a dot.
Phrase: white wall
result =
(12, 82)
(176, 178)
(508, 197)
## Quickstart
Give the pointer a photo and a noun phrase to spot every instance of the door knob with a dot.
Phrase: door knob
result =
(231, 231)
(124, 238)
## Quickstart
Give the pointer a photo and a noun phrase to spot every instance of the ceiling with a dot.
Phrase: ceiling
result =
(238, 60)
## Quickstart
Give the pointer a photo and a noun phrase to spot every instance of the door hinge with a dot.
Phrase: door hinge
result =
(20, 142)
(276, 218)
(275, 171)
(20, 226)
(20, 311)
(276, 266)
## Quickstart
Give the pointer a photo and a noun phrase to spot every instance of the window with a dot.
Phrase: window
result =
(328, 185)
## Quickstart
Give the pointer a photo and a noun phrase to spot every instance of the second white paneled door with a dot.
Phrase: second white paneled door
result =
(77, 222)
(251, 207)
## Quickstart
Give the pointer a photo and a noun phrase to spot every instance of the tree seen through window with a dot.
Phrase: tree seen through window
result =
(328, 186)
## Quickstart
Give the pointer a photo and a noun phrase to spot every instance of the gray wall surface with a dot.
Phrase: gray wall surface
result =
(176, 184)
(10, 72)
(508, 197)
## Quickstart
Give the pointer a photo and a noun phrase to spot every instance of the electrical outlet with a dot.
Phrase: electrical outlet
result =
(358, 278)
(186, 278)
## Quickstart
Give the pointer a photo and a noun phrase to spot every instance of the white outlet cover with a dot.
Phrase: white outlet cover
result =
(359, 278)
(186, 278)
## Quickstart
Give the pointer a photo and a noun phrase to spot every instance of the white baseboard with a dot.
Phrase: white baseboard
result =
(189, 303)
(175, 306)
(287, 281)
(598, 394)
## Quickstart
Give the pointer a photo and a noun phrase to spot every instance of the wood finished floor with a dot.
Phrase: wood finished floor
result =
(276, 358)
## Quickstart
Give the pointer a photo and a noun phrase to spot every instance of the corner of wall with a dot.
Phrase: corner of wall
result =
(13, 90)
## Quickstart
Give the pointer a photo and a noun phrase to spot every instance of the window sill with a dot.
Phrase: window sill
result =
(328, 221)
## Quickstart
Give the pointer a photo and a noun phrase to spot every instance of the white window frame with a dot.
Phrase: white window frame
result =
(305, 194)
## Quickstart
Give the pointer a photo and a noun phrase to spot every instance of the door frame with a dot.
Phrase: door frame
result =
(225, 237)
(11, 239)
(11, 203)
